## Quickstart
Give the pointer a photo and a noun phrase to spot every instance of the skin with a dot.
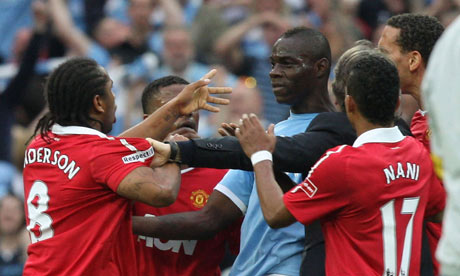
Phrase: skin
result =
(295, 81)
(254, 138)
(410, 65)
(158, 187)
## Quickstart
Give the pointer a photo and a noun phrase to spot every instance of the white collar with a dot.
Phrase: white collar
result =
(71, 130)
(379, 135)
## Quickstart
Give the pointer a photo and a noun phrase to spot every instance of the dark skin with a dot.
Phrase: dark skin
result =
(296, 81)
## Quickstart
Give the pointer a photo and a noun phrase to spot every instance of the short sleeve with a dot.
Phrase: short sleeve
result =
(436, 197)
(237, 185)
(112, 160)
(323, 192)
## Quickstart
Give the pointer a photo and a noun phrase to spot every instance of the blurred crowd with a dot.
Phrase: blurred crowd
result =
(138, 41)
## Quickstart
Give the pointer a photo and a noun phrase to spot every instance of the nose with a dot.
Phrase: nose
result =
(275, 72)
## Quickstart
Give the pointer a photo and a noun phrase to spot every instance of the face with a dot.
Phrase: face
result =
(387, 44)
(111, 33)
(109, 107)
(184, 125)
(11, 215)
(140, 12)
(292, 73)
(178, 49)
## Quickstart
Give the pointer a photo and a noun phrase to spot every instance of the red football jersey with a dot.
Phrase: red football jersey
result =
(421, 131)
(186, 257)
(371, 200)
(77, 222)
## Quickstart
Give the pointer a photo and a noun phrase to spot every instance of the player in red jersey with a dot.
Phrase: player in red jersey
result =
(408, 39)
(182, 257)
(79, 182)
(371, 198)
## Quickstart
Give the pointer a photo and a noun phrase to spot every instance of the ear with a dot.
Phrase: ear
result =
(350, 104)
(322, 67)
(415, 60)
(98, 104)
(398, 103)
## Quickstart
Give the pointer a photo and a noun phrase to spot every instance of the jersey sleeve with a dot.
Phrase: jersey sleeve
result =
(112, 160)
(436, 197)
(237, 185)
(323, 192)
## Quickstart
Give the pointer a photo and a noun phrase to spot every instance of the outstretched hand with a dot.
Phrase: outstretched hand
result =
(197, 95)
(253, 137)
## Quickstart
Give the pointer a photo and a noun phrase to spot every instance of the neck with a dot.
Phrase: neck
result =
(415, 88)
(315, 102)
(362, 125)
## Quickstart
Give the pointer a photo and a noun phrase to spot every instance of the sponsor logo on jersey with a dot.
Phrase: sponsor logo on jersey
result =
(307, 187)
(199, 198)
(139, 156)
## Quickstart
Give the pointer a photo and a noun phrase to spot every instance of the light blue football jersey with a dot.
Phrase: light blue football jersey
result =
(264, 250)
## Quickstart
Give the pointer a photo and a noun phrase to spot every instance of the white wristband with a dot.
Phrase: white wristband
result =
(261, 155)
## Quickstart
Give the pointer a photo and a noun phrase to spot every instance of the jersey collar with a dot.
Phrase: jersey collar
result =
(379, 135)
(72, 130)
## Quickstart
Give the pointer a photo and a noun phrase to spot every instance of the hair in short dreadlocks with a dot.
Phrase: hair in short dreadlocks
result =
(69, 92)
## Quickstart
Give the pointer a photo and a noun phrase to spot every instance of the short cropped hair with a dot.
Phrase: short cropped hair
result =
(342, 70)
(152, 90)
(417, 32)
(374, 85)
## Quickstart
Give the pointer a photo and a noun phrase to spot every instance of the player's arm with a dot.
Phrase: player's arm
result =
(254, 139)
(65, 28)
(193, 97)
(156, 187)
(218, 213)
(292, 154)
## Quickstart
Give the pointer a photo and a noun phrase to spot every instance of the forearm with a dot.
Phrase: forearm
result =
(65, 28)
(233, 36)
(157, 125)
(219, 153)
(16, 88)
(179, 226)
(270, 193)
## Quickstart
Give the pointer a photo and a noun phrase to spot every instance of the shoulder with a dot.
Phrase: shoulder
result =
(330, 119)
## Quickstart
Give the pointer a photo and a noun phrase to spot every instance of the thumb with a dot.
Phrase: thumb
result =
(271, 130)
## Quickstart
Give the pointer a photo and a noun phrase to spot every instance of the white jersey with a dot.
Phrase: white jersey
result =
(441, 88)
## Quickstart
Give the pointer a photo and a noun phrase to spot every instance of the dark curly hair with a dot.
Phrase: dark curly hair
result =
(373, 83)
(69, 92)
(418, 32)
(152, 90)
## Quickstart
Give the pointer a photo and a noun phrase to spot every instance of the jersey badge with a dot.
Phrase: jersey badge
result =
(307, 187)
(199, 198)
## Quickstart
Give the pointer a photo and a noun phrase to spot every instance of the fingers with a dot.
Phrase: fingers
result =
(211, 108)
(195, 85)
(216, 100)
(227, 129)
(209, 75)
(271, 129)
(220, 90)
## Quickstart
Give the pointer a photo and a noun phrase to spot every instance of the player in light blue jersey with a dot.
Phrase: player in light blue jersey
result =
(300, 71)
